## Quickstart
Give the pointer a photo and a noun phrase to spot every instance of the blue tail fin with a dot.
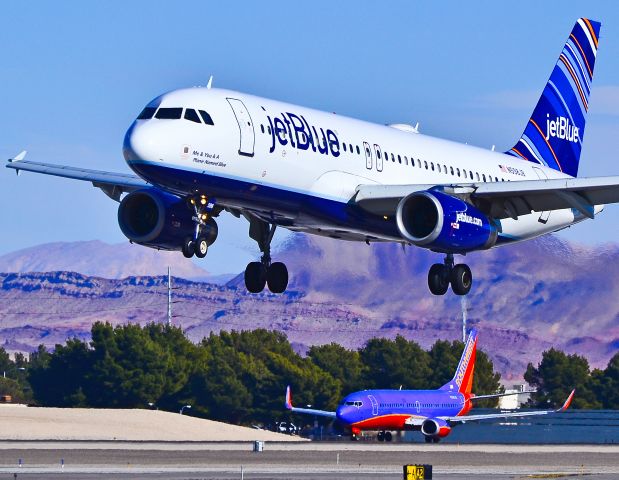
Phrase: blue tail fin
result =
(553, 136)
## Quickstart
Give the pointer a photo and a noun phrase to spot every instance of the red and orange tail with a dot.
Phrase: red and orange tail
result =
(463, 378)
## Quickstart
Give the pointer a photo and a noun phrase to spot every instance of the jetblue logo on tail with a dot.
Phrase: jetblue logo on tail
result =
(561, 128)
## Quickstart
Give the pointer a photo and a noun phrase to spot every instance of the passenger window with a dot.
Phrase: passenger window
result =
(344, 145)
(169, 113)
(432, 165)
(269, 129)
(192, 116)
(405, 160)
(438, 167)
(496, 179)
(206, 117)
(471, 174)
(452, 170)
(483, 177)
(359, 151)
(350, 148)
(458, 171)
(262, 128)
(477, 175)
(378, 154)
(392, 158)
(399, 159)
(425, 164)
(147, 113)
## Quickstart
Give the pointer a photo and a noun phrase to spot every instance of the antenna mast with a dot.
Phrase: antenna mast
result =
(169, 298)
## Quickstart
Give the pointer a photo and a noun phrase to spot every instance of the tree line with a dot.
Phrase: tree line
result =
(240, 376)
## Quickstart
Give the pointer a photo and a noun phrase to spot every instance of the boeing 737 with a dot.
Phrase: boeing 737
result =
(198, 152)
(433, 412)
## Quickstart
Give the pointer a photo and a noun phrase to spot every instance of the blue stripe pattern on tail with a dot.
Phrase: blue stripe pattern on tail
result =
(553, 137)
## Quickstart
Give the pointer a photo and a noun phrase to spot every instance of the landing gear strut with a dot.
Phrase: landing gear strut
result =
(206, 228)
(264, 272)
(441, 276)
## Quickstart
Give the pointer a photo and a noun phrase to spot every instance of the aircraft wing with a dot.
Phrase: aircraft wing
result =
(504, 199)
(306, 411)
(473, 418)
(112, 184)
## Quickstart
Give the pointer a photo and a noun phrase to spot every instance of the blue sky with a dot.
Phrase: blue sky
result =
(75, 74)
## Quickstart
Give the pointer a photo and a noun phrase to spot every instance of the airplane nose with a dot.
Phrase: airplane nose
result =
(138, 144)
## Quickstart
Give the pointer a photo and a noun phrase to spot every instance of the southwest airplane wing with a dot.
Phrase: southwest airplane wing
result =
(307, 411)
(472, 418)
(504, 199)
(112, 184)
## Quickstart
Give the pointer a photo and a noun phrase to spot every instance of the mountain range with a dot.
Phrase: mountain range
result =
(526, 298)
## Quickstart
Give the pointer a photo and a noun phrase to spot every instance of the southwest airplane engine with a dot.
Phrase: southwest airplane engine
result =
(435, 428)
(159, 220)
(443, 223)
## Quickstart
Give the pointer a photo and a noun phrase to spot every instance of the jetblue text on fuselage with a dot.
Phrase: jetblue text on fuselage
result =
(561, 128)
(296, 130)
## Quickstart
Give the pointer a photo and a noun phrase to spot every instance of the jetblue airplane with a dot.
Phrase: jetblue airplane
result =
(433, 412)
(198, 152)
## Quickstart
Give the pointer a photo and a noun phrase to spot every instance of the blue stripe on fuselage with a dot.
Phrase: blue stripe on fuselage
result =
(275, 201)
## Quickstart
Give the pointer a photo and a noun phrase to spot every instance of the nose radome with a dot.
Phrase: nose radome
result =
(139, 144)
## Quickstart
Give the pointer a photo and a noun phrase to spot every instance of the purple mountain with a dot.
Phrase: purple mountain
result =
(525, 299)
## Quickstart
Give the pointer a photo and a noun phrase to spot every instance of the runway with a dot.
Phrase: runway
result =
(225, 460)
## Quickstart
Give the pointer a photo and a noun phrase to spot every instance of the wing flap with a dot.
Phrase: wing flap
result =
(503, 199)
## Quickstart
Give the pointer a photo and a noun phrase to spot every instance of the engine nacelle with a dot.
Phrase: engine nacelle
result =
(438, 221)
(435, 428)
(159, 220)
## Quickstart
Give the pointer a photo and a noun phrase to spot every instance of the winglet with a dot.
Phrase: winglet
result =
(288, 402)
(567, 403)
(19, 157)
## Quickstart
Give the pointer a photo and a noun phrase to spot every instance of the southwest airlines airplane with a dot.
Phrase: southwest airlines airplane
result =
(198, 152)
(433, 412)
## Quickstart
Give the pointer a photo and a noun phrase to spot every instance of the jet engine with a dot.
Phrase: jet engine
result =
(443, 223)
(159, 220)
(435, 428)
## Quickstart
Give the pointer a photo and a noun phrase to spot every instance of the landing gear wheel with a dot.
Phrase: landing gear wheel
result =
(428, 439)
(461, 279)
(435, 439)
(187, 249)
(255, 277)
(388, 437)
(380, 437)
(277, 277)
(201, 247)
(438, 279)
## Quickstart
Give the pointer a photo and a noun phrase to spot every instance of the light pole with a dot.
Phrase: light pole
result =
(183, 408)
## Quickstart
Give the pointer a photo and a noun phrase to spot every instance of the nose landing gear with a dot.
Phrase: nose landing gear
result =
(441, 276)
(206, 228)
(263, 273)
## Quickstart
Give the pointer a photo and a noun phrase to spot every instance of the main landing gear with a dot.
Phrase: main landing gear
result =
(441, 276)
(264, 272)
(206, 228)
(384, 436)
(432, 439)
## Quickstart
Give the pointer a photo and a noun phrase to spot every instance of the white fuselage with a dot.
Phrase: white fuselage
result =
(300, 168)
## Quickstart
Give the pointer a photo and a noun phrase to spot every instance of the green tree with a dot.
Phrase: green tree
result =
(395, 363)
(59, 379)
(606, 384)
(555, 377)
(342, 364)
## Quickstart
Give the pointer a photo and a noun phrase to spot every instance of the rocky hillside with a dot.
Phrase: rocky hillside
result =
(526, 298)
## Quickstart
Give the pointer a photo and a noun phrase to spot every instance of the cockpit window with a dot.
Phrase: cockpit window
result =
(190, 114)
(206, 117)
(354, 404)
(169, 113)
(147, 113)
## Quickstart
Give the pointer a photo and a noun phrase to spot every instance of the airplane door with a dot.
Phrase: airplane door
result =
(368, 155)
(379, 158)
(246, 127)
(374, 404)
(544, 216)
